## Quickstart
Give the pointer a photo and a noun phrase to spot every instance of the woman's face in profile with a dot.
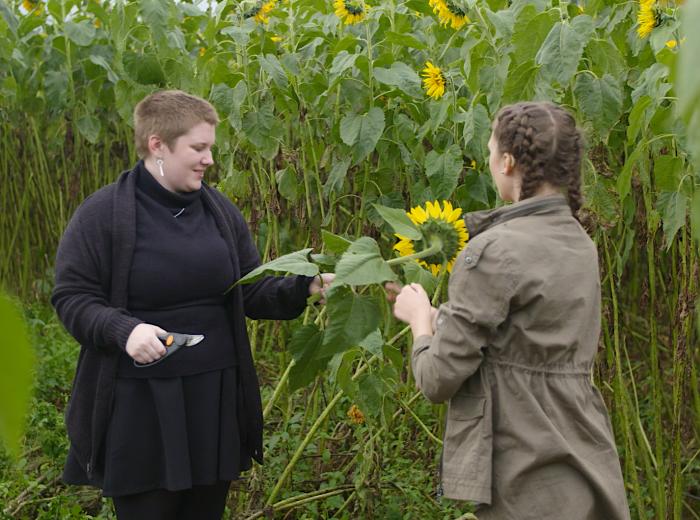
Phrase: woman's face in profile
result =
(191, 155)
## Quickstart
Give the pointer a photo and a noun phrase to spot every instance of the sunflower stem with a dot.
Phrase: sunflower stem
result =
(435, 247)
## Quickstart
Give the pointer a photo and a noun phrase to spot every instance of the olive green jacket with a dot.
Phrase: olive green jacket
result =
(527, 433)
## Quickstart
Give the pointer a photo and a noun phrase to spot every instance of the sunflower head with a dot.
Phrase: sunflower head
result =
(449, 14)
(648, 17)
(33, 6)
(350, 11)
(261, 12)
(435, 221)
(433, 81)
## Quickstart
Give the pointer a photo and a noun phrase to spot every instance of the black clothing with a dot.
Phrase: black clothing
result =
(179, 274)
(198, 503)
(93, 265)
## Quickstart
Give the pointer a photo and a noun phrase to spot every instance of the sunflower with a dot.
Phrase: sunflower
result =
(442, 222)
(355, 414)
(33, 5)
(648, 17)
(261, 12)
(350, 11)
(449, 13)
(434, 81)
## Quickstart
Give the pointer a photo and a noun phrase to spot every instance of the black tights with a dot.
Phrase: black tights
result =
(197, 503)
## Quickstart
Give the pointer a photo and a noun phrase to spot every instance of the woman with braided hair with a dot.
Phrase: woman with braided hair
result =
(527, 434)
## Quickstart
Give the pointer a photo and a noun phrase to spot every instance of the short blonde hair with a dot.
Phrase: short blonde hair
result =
(169, 114)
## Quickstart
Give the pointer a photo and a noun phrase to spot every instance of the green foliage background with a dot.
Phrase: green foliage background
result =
(316, 128)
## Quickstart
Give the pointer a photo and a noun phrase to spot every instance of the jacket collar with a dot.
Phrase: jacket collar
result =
(479, 221)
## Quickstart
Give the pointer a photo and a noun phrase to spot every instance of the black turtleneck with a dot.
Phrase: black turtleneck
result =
(180, 271)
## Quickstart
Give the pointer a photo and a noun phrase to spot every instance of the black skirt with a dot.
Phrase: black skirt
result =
(169, 433)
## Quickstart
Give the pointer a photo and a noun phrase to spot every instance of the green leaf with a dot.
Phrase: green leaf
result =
(520, 83)
(342, 62)
(335, 243)
(443, 169)
(503, 21)
(373, 343)
(263, 129)
(81, 33)
(476, 132)
(351, 318)
(562, 49)
(270, 64)
(624, 181)
(405, 40)
(89, 126)
(414, 273)
(399, 221)
(530, 32)
(102, 62)
(362, 264)
(362, 132)
(292, 263)
(334, 183)
(304, 345)
(673, 207)
(16, 363)
(600, 100)
(401, 76)
(143, 68)
(668, 170)
(371, 397)
(287, 183)
(639, 118)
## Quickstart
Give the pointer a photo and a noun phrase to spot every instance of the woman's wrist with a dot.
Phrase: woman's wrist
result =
(422, 326)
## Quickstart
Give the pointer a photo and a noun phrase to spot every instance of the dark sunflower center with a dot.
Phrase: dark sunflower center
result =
(449, 236)
(354, 7)
(455, 10)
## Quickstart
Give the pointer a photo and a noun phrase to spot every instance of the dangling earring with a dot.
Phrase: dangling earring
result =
(159, 162)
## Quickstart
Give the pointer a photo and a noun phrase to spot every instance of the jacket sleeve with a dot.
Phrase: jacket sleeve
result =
(481, 286)
(272, 297)
(80, 296)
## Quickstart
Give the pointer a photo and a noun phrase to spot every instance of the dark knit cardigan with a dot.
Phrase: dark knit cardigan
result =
(90, 296)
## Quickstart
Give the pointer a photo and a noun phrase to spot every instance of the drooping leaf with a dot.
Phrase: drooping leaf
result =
(443, 169)
(143, 68)
(292, 263)
(401, 76)
(16, 365)
(362, 131)
(673, 207)
(335, 243)
(271, 64)
(287, 183)
(81, 33)
(334, 184)
(351, 318)
(304, 345)
(562, 49)
(399, 221)
(530, 32)
(89, 126)
(373, 343)
(362, 264)
(600, 100)
(414, 273)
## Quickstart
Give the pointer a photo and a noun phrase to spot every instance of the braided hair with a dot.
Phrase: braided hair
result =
(546, 145)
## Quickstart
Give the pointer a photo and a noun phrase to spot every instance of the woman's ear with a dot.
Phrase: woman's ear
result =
(155, 144)
(508, 163)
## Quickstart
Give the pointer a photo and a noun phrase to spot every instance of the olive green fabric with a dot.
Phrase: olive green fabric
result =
(527, 434)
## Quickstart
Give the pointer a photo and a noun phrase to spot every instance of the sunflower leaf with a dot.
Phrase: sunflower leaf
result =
(362, 132)
(351, 318)
(362, 264)
(304, 345)
(443, 170)
(399, 221)
(293, 263)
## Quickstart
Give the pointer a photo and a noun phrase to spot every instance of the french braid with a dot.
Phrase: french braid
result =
(546, 145)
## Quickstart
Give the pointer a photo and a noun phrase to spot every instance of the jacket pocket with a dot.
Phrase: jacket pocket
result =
(466, 448)
(465, 407)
